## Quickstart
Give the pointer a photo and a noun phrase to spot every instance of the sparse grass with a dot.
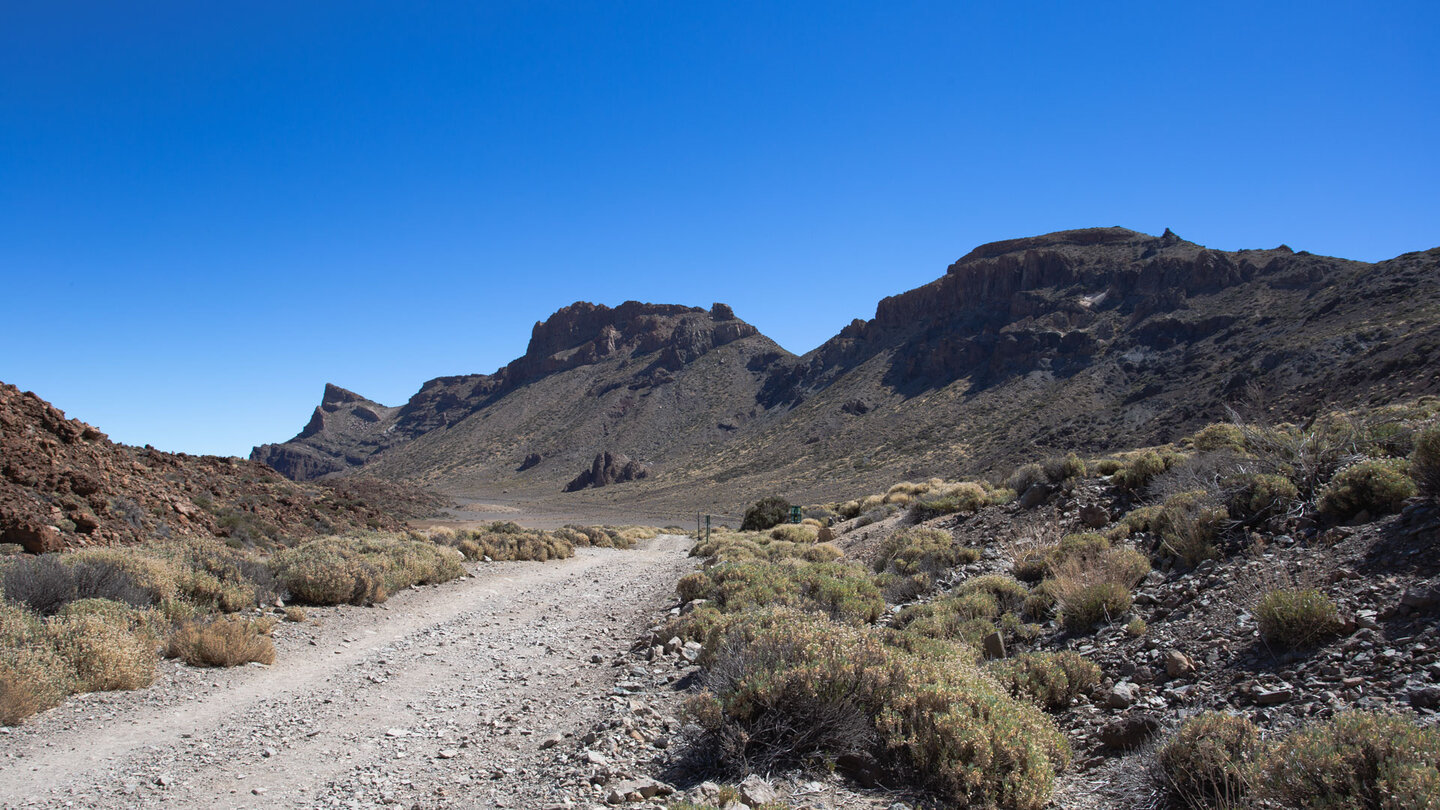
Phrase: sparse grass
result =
(1137, 627)
(223, 642)
(1095, 586)
(1295, 618)
(1211, 761)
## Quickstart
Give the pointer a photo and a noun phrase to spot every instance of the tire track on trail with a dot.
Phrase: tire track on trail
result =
(440, 697)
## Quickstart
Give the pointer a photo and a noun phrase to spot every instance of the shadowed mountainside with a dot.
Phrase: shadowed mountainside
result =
(1090, 339)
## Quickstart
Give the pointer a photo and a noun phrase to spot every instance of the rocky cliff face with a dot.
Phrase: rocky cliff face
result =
(64, 484)
(1085, 340)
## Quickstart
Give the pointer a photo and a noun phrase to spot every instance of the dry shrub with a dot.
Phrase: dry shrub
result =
(919, 551)
(1050, 680)
(766, 513)
(1188, 524)
(1373, 486)
(786, 687)
(1024, 477)
(1009, 593)
(843, 591)
(971, 743)
(1425, 462)
(1356, 760)
(103, 654)
(1211, 761)
(33, 676)
(1062, 469)
(361, 570)
(795, 533)
(1257, 496)
(294, 614)
(328, 572)
(221, 643)
(1094, 587)
(1296, 617)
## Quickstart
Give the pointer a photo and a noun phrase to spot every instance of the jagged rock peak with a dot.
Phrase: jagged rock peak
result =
(335, 395)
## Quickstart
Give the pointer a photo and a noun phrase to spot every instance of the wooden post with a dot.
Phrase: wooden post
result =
(707, 528)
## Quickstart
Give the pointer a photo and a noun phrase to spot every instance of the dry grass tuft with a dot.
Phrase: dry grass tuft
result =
(221, 643)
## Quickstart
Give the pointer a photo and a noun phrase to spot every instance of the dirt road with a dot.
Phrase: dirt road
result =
(442, 697)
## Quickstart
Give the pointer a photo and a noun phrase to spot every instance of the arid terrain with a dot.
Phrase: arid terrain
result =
(444, 696)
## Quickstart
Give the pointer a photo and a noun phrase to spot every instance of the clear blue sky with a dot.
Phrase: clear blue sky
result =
(209, 210)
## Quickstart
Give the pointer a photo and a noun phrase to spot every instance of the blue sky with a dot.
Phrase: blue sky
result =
(209, 210)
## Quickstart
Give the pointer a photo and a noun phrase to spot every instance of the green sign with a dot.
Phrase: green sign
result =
(794, 514)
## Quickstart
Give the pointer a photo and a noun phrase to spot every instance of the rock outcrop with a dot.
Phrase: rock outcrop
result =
(608, 468)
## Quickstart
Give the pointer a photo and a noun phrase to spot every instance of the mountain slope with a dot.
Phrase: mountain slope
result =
(63, 484)
(1091, 339)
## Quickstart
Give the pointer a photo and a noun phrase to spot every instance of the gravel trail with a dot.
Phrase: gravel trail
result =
(447, 696)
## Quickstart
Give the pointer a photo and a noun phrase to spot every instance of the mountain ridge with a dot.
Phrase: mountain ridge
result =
(1077, 339)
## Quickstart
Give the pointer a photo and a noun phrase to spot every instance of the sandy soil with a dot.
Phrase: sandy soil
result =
(442, 697)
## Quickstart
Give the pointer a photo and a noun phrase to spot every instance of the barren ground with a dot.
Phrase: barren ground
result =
(441, 697)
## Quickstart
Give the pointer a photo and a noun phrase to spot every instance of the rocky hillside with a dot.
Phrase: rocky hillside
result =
(1092, 340)
(63, 484)
(648, 382)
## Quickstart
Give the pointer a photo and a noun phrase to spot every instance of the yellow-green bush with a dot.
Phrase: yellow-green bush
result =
(1142, 468)
(1219, 436)
(1425, 462)
(1107, 466)
(1376, 486)
(1296, 617)
(1211, 761)
(1356, 761)
(973, 744)
(966, 496)
(845, 592)
(224, 642)
(1050, 680)
(1009, 594)
(795, 533)
(1187, 525)
(794, 688)
(1259, 496)
(922, 551)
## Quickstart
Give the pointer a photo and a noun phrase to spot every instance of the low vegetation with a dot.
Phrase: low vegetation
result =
(1296, 617)
(1211, 761)
(100, 618)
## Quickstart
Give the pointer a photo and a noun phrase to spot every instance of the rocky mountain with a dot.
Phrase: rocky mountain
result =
(645, 382)
(1089, 340)
(64, 484)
